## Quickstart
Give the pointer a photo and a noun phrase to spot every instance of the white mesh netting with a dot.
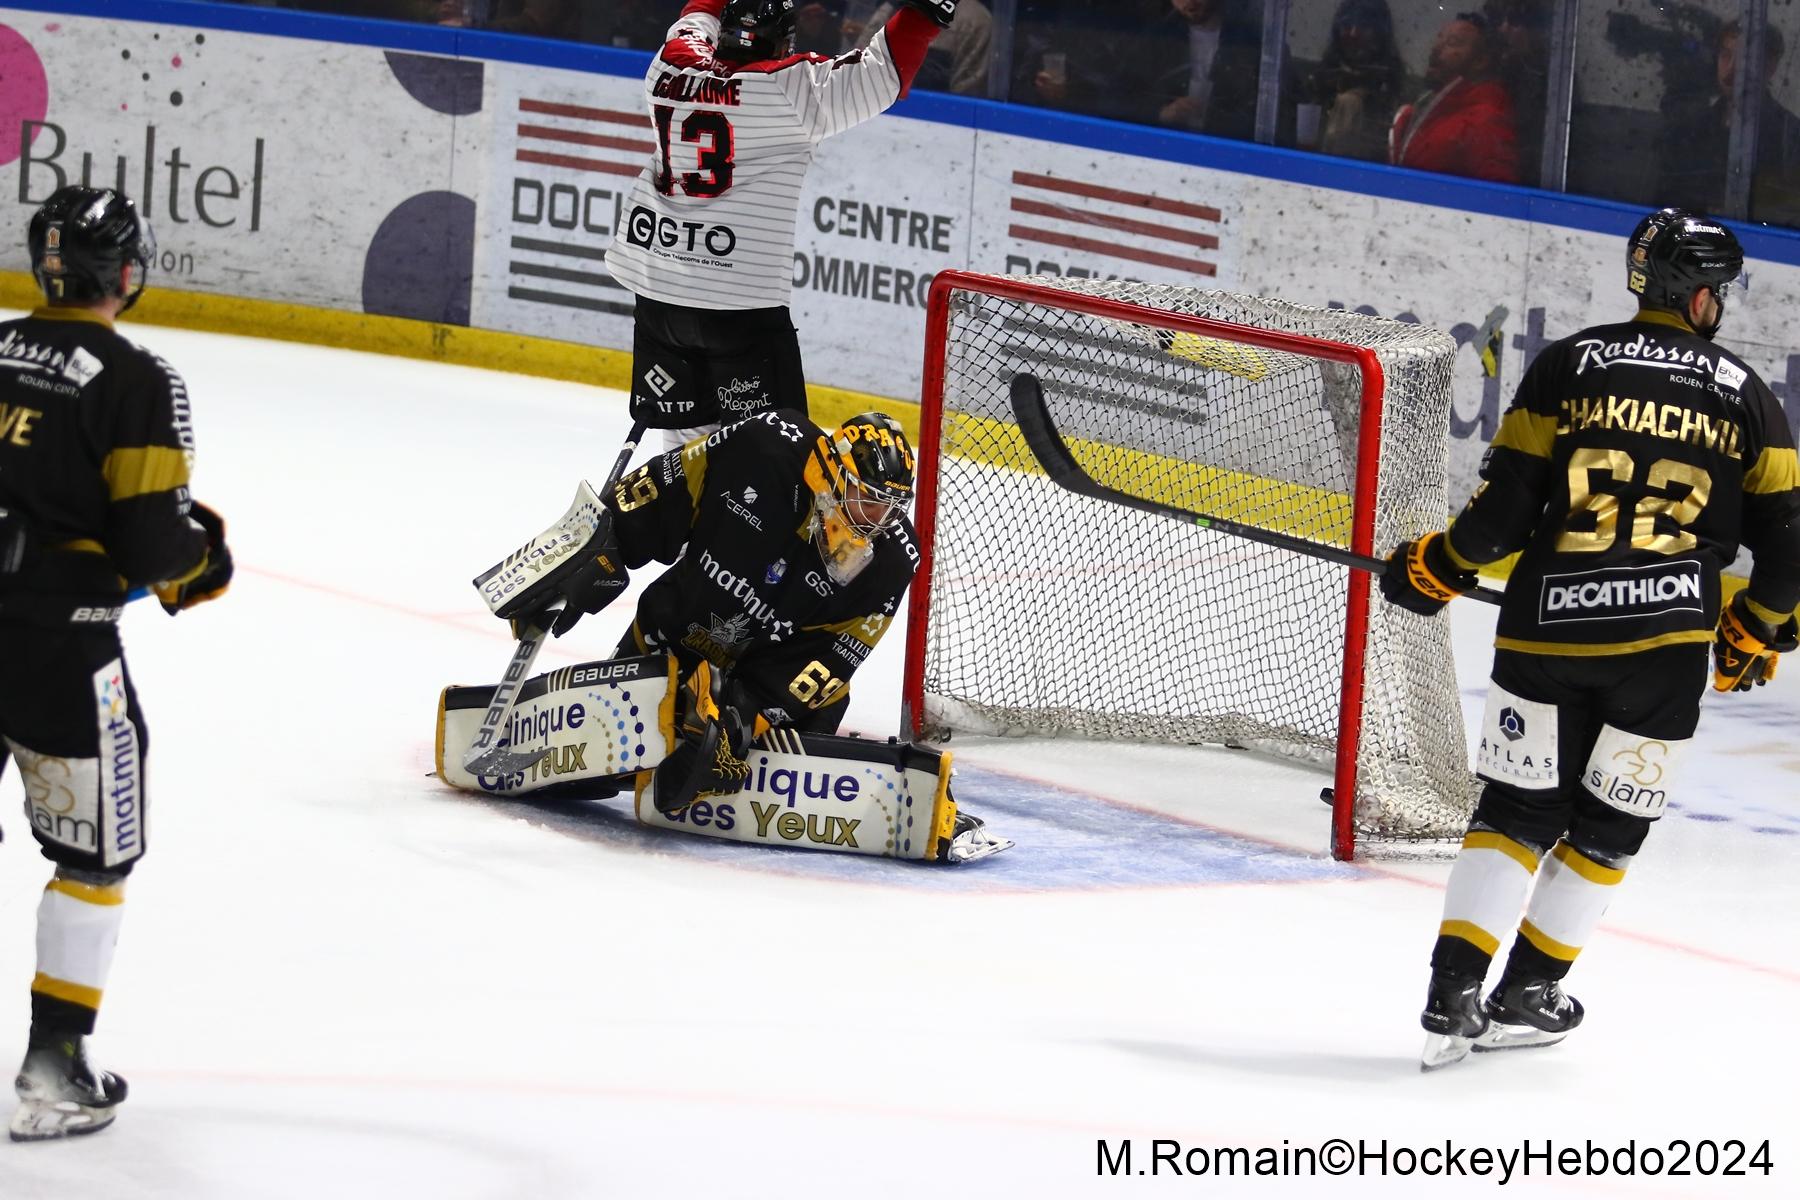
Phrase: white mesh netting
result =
(1052, 613)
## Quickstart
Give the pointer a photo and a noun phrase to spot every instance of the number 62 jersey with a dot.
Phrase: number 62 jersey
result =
(1634, 460)
(710, 222)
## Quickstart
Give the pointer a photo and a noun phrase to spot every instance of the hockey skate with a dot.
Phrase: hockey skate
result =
(60, 1095)
(971, 840)
(1453, 1020)
(1528, 1012)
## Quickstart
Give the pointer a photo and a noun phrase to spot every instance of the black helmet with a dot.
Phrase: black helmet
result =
(754, 30)
(861, 476)
(81, 237)
(877, 458)
(1675, 252)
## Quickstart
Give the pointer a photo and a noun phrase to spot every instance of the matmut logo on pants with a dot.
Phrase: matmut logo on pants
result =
(121, 769)
(1617, 592)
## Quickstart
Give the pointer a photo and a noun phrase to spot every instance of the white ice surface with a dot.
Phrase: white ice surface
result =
(339, 979)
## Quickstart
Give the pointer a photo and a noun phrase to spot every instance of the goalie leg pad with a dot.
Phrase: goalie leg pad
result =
(843, 794)
(592, 725)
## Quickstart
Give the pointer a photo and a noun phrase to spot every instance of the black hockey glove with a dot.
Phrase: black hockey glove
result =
(717, 724)
(941, 11)
(1748, 647)
(214, 575)
(1421, 577)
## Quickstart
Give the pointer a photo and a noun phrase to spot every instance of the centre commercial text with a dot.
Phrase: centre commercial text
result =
(902, 227)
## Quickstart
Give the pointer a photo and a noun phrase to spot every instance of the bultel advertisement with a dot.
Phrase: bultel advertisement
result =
(483, 193)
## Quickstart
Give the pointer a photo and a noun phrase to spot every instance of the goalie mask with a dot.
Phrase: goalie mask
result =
(861, 478)
(1674, 253)
(755, 30)
(80, 240)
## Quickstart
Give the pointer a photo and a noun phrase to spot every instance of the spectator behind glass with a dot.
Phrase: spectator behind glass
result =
(957, 61)
(1356, 86)
(1054, 63)
(1464, 124)
(1195, 67)
(1522, 38)
(636, 24)
(537, 18)
(819, 27)
(1696, 139)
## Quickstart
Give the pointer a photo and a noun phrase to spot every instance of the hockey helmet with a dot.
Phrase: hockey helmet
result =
(80, 239)
(754, 30)
(862, 479)
(1674, 252)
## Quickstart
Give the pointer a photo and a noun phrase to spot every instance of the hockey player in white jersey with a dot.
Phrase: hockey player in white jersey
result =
(707, 242)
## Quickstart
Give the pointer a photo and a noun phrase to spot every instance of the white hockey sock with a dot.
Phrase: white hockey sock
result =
(77, 930)
(1487, 889)
(1570, 898)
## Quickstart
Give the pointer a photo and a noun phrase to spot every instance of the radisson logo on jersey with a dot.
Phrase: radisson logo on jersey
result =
(1621, 592)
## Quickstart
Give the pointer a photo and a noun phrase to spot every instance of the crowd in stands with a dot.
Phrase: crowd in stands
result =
(1474, 107)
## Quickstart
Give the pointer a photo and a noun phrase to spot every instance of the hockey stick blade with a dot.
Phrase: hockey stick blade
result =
(488, 754)
(1032, 413)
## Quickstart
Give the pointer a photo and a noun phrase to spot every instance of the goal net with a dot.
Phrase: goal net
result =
(1038, 611)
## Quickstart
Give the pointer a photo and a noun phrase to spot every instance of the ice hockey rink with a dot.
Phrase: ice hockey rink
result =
(339, 978)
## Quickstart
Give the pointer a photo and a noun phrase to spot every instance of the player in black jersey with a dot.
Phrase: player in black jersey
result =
(1634, 460)
(791, 552)
(95, 452)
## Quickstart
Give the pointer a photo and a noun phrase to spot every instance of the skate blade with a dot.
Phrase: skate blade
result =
(1443, 1050)
(1515, 1037)
(47, 1120)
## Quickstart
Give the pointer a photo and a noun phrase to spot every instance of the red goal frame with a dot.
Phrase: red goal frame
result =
(1362, 526)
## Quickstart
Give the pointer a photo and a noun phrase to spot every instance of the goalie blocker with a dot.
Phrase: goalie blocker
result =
(599, 728)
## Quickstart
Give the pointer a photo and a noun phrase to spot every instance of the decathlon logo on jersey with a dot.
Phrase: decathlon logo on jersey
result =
(1621, 592)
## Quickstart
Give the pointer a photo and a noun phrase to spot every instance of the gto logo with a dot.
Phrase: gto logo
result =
(647, 229)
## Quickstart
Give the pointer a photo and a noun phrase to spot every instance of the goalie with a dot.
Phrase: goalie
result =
(791, 550)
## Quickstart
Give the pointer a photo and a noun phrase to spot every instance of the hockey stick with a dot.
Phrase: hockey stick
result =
(487, 754)
(1033, 415)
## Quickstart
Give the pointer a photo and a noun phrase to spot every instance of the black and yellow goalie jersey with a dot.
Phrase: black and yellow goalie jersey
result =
(752, 591)
(95, 454)
(1634, 461)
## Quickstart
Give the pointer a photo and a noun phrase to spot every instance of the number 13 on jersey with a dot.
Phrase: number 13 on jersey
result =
(711, 133)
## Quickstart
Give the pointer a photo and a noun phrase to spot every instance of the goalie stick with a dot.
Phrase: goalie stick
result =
(487, 753)
(1033, 415)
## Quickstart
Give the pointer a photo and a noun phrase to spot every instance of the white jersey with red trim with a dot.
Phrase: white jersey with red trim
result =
(710, 222)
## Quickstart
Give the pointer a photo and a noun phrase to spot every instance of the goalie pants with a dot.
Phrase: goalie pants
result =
(810, 720)
(692, 368)
(1565, 836)
(70, 721)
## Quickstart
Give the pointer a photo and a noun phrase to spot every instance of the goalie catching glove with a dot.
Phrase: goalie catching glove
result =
(209, 580)
(1422, 577)
(574, 565)
(941, 11)
(1748, 647)
(716, 723)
